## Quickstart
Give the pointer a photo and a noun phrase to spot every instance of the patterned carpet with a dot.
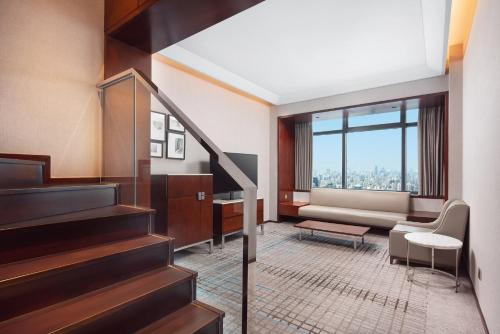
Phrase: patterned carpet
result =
(317, 285)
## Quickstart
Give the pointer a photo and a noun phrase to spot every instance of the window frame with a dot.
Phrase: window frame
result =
(365, 128)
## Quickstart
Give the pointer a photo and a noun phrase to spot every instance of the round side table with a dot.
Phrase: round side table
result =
(433, 241)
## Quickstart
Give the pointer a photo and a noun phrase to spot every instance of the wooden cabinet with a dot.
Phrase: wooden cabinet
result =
(228, 217)
(290, 209)
(183, 205)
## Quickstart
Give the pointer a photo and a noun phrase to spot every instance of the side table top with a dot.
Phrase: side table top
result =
(433, 240)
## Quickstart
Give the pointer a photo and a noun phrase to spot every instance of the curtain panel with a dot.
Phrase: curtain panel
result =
(431, 152)
(303, 155)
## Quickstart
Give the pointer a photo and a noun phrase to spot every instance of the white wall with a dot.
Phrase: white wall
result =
(234, 122)
(481, 155)
(51, 58)
(406, 89)
(273, 165)
(455, 129)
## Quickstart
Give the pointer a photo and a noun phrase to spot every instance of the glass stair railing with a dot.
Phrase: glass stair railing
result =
(127, 100)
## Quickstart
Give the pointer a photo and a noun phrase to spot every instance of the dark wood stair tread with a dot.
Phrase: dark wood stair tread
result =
(20, 162)
(104, 212)
(57, 187)
(92, 306)
(17, 271)
(189, 319)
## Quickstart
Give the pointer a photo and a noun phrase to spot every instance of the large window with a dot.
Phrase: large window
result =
(327, 161)
(372, 147)
(374, 160)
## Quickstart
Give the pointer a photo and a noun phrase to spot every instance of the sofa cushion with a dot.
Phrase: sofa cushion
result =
(354, 216)
(389, 201)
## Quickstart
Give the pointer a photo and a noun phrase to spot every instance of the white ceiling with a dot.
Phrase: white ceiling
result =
(286, 51)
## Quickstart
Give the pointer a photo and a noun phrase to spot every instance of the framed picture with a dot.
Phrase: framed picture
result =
(156, 150)
(174, 124)
(158, 126)
(176, 146)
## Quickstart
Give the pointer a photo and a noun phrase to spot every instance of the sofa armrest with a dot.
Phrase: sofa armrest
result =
(397, 242)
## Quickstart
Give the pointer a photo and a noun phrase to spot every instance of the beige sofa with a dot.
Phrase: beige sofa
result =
(452, 222)
(363, 207)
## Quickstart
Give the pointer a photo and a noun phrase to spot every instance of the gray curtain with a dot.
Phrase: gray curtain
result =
(431, 152)
(303, 155)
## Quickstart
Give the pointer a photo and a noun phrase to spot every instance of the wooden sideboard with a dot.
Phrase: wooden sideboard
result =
(183, 204)
(290, 209)
(228, 217)
(422, 216)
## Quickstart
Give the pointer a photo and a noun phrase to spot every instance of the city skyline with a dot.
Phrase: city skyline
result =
(374, 179)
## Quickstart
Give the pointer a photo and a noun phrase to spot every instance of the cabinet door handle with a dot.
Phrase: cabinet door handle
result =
(201, 196)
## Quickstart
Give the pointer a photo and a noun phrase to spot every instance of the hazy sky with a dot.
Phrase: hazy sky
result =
(365, 150)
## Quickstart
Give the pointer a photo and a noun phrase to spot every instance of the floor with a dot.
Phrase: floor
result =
(322, 285)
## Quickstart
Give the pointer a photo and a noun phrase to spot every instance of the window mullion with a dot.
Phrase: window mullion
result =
(344, 153)
(403, 146)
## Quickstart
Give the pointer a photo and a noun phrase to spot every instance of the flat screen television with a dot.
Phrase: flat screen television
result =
(223, 183)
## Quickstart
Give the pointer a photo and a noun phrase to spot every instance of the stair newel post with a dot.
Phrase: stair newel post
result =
(249, 246)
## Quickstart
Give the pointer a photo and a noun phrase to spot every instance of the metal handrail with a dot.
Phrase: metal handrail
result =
(249, 188)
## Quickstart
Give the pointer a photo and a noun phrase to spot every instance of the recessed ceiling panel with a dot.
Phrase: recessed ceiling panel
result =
(291, 50)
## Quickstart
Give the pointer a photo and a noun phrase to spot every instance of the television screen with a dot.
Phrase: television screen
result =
(224, 183)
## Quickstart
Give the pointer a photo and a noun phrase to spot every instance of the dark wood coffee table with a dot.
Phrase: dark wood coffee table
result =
(351, 230)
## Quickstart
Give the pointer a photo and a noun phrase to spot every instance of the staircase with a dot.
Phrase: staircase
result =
(72, 260)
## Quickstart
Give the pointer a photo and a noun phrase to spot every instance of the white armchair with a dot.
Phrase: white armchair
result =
(452, 222)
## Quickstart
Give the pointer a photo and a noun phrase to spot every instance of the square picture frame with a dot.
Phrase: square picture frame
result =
(156, 149)
(158, 126)
(175, 125)
(176, 146)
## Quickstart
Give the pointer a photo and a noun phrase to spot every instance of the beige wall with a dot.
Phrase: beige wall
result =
(481, 155)
(51, 57)
(234, 122)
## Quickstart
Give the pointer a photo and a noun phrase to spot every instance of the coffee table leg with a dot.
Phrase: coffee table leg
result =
(456, 272)
(355, 242)
(300, 234)
(363, 240)
(432, 260)
(312, 232)
(408, 260)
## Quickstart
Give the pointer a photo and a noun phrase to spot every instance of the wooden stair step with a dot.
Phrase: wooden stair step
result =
(124, 307)
(192, 318)
(16, 173)
(36, 202)
(38, 282)
(69, 231)
(105, 212)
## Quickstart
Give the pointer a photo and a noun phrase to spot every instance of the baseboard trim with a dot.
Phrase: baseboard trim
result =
(479, 307)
